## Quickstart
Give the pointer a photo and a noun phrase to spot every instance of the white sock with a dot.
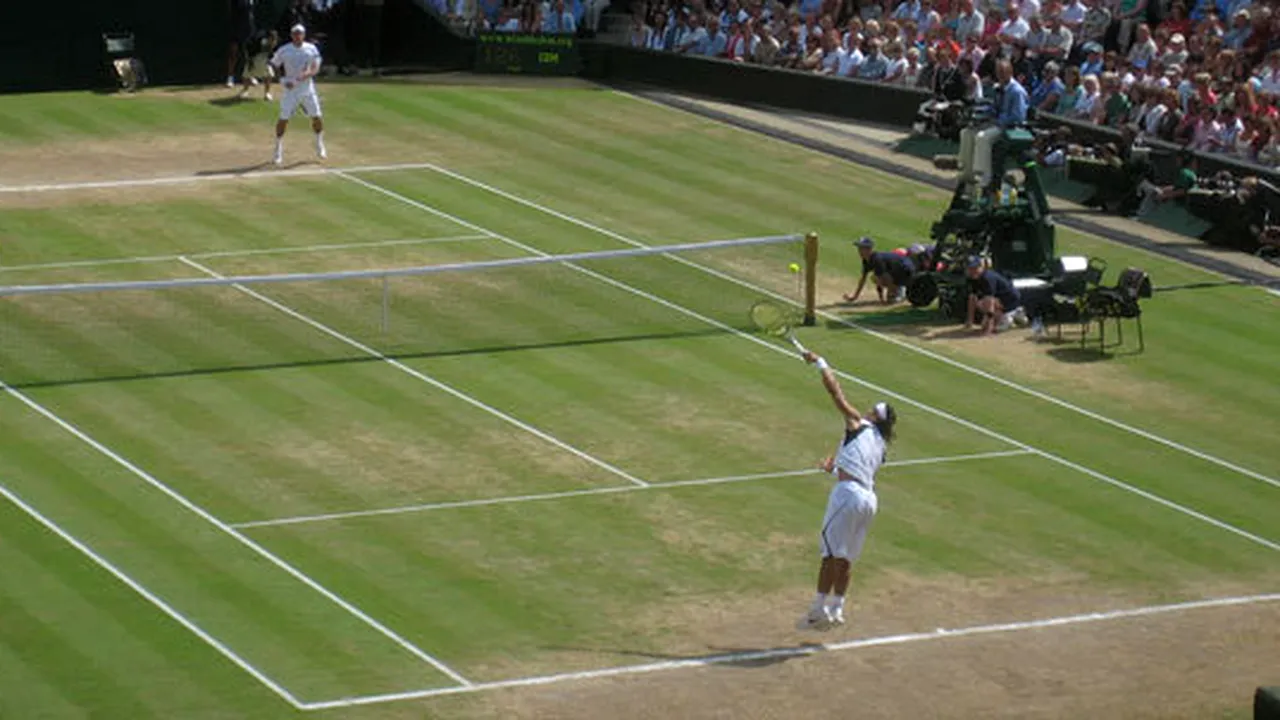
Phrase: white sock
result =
(837, 602)
(320, 138)
(819, 601)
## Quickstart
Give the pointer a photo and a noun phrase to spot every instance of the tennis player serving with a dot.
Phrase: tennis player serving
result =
(852, 503)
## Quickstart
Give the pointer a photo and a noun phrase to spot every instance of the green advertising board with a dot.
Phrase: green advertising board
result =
(527, 54)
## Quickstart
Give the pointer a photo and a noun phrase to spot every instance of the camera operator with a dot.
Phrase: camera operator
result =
(1183, 184)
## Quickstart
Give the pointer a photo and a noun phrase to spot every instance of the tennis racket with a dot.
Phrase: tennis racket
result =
(777, 320)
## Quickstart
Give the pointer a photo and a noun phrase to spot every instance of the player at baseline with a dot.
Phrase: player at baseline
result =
(851, 506)
(299, 62)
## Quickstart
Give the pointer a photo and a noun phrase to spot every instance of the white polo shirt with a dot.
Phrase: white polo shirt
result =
(296, 59)
(861, 454)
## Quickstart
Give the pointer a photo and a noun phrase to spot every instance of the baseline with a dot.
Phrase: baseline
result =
(802, 650)
(206, 177)
(853, 378)
(515, 499)
(1038, 394)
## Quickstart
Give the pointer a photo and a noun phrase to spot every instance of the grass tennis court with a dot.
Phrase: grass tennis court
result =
(262, 502)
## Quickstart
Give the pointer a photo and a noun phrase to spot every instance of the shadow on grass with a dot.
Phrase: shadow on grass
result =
(364, 358)
(751, 658)
(258, 167)
(232, 101)
(927, 325)
(1077, 355)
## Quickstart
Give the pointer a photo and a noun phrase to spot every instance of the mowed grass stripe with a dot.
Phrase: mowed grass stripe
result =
(1184, 269)
(249, 214)
(1164, 269)
(1061, 526)
(63, 116)
(682, 547)
(346, 436)
(1242, 500)
(508, 308)
(150, 333)
(697, 184)
(302, 640)
(77, 642)
(644, 175)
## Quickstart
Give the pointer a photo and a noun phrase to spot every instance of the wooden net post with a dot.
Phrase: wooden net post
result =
(810, 278)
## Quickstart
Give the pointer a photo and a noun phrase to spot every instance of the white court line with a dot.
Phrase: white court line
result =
(853, 378)
(514, 499)
(796, 651)
(240, 253)
(878, 335)
(193, 178)
(423, 376)
(152, 598)
(240, 537)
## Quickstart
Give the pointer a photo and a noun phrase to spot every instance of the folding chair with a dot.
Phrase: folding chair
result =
(1120, 302)
(124, 69)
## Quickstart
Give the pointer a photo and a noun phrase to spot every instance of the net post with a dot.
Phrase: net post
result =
(810, 278)
(386, 303)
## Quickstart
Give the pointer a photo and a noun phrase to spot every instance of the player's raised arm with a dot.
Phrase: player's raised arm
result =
(851, 415)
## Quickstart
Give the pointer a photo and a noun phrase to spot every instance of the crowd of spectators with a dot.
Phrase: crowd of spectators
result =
(545, 17)
(1206, 77)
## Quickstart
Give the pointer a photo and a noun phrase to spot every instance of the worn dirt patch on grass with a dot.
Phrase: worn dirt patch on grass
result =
(1053, 363)
(1194, 663)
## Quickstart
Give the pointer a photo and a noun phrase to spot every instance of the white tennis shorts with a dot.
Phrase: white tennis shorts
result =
(301, 95)
(850, 509)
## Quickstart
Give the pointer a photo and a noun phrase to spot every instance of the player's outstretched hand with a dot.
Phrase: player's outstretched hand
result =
(810, 356)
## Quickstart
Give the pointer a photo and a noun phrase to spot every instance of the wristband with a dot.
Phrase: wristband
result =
(821, 364)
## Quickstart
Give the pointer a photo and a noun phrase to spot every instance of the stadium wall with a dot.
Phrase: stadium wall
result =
(745, 83)
(55, 46)
(52, 46)
(807, 92)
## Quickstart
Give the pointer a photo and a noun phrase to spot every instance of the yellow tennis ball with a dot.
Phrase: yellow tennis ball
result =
(794, 267)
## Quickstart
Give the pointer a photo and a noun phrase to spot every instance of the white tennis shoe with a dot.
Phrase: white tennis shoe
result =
(814, 620)
(835, 616)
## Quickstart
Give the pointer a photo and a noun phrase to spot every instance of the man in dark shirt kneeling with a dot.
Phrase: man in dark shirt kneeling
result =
(994, 296)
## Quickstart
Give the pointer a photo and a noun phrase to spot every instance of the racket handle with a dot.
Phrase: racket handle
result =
(799, 348)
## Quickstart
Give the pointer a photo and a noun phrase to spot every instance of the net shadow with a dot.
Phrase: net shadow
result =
(360, 358)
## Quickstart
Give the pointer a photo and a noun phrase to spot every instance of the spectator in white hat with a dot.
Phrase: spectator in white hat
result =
(1175, 53)
(1241, 30)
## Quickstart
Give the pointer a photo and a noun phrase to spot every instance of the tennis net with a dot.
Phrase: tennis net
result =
(200, 316)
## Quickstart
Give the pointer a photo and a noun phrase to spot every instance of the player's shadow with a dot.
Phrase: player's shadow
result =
(737, 657)
(257, 167)
(233, 100)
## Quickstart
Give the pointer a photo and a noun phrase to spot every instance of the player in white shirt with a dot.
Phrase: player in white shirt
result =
(852, 503)
(299, 62)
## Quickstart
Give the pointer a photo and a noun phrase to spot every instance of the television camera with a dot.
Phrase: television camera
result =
(999, 212)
